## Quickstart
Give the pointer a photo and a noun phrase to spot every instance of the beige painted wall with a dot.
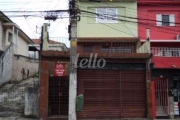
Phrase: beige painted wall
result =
(20, 62)
(20, 45)
(87, 27)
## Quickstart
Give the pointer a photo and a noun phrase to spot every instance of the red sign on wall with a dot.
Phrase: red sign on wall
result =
(60, 69)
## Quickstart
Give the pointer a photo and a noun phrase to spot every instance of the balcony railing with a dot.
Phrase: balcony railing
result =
(165, 52)
(108, 47)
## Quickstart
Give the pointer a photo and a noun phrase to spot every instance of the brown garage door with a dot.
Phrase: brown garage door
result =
(112, 94)
(133, 94)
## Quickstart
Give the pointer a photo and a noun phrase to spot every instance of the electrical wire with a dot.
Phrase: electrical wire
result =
(124, 24)
(131, 33)
(114, 28)
(30, 27)
(46, 9)
(144, 26)
(139, 11)
(140, 18)
(130, 21)
(121, 32)
(151, 25)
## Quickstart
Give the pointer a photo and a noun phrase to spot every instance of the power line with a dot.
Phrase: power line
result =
(40, 18)
(151, 25)
(144, 25)
(124, 20)
(136, 18)
(125, 25)
(29, 26)
(120, 31)
(131, 32)
(22, 6)
(114, 28)
(136, 10)
(145, 21)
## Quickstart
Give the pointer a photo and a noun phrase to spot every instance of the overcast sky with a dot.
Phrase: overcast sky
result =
(58, 28)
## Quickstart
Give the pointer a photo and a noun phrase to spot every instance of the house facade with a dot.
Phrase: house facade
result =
(162, 17)
(11, 33)
(115, 82)
(14, 61)
(119, 89)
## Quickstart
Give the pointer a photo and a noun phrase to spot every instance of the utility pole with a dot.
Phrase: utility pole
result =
(73, 52)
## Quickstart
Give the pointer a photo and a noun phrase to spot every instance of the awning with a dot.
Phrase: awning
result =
(166, 62)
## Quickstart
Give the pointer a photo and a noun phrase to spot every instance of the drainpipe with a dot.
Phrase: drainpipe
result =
(13, 41)
(148, 45)
(13, 35)
(148, 33)
(17, 40)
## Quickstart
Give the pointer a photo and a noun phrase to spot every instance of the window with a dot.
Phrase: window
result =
(106, 15)
(175, 53)
(123, 49)
(165, 20)
(88, 48)
(166, 52)
(10, 37)
(117, 49)
(106, 48)
(128, 49)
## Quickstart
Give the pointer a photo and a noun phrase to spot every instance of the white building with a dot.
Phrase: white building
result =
(11, 33)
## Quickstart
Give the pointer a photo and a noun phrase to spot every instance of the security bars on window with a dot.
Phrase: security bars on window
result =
(165, 52)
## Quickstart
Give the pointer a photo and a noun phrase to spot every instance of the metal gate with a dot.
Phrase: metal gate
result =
(112, 94)
(162, 103)
(58, 96)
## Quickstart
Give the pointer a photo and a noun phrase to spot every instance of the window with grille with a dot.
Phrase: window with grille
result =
(128, 49)
(119, 48)
(166, 52)
(165, 19)
(107, 15)
(106, 48)
(175, 53)
(125, 49)
(88, 48)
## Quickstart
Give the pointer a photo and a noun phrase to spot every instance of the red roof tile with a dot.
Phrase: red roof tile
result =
(38, 41)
